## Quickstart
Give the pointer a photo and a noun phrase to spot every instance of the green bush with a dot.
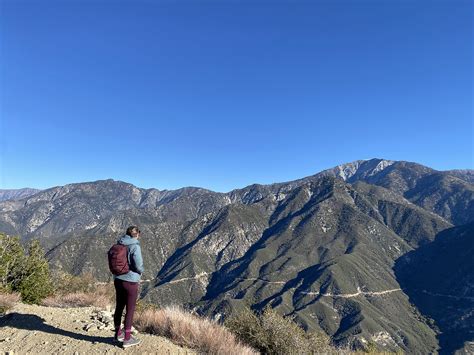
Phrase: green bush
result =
(24, 272)
(371, 347)
(246, 325)
(271, 333)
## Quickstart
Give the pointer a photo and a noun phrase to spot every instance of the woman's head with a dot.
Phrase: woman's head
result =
(133, 231)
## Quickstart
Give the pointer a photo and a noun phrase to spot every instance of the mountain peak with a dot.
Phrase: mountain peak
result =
(360, 168)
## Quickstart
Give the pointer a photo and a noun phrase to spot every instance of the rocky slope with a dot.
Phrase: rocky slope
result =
(320, 249)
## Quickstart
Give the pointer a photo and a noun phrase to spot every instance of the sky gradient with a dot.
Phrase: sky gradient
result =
(223, 94)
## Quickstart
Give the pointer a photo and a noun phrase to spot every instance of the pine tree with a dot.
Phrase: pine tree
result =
(25, 273)
(35, 282)
(12, 260)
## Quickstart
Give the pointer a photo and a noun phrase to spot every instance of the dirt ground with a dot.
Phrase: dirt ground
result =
(30, 329)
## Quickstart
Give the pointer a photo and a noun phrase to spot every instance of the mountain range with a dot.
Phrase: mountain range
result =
(17, 194)
(369, 251)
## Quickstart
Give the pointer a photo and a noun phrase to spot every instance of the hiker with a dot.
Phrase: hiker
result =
(127, 266)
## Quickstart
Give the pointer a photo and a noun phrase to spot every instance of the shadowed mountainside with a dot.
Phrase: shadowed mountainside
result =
(438, 277)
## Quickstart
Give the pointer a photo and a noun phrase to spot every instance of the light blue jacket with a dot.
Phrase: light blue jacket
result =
(135, 260)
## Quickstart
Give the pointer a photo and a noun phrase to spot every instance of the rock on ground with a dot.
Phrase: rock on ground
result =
(31, 329)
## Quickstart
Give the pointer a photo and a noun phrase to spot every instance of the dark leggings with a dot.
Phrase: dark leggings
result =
(126, 295)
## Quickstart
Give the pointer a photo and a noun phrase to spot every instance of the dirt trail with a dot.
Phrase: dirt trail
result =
(28, 329)
(350, 295)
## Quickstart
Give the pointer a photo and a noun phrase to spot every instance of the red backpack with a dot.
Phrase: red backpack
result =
(118, 260)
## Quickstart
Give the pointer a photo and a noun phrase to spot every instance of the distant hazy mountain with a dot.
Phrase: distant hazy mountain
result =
(321, 249)
(16, 194)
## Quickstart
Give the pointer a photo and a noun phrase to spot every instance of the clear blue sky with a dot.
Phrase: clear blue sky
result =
(222, 94)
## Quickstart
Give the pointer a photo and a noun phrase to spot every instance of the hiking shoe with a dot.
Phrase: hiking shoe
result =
(121, 337)
(131, 342)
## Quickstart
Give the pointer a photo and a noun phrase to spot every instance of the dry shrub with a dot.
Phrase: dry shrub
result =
(189, 330)
(107, 291)
(80, 291)
(77, 299)
(272, 333)
(8, 300)
(142, 306)
(67, 283)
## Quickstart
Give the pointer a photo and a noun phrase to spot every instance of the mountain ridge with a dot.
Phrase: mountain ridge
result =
(341, 170)
(320, 249)
(15, 194)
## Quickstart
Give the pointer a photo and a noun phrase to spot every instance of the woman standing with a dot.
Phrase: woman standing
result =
(126, 287)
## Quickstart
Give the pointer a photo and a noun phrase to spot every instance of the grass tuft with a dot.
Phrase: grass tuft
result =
(186, 329)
